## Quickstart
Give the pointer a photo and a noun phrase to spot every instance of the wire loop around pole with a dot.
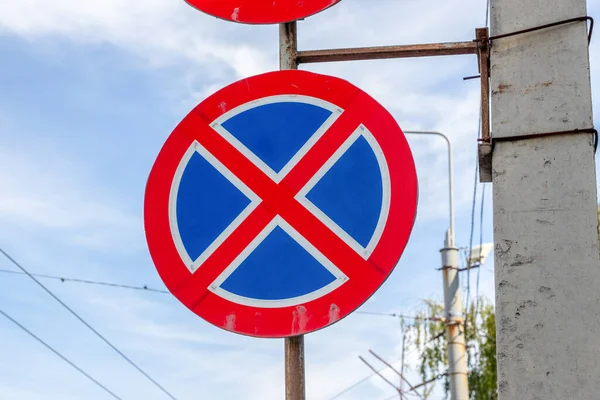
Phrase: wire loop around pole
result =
(546, 26)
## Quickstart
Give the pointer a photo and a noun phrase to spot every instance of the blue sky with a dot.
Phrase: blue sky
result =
(90, 93)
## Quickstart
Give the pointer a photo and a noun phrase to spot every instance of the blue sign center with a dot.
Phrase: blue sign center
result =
(350, 194)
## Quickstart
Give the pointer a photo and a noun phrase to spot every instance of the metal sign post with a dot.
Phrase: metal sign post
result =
(295, 382)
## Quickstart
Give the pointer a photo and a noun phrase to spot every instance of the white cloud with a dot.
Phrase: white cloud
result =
(194, 358)
(60, 197)
(162, 32)
(172, 33)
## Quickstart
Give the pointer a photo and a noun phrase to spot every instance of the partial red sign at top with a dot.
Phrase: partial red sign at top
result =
(261, 11)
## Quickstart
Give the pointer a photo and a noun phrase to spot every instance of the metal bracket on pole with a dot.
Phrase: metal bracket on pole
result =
(480, 46)
(486, 143)
(485, 146)
(387, 52)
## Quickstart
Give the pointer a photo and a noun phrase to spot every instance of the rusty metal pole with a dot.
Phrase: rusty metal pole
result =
(294, 368)
(288, 46)
(387, 52)
(294, 347)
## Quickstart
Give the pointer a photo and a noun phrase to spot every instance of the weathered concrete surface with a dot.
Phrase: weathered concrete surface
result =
(545, 203)
(540, 81)
(547, 269)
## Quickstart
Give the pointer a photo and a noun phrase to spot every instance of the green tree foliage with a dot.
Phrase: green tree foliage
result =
(481, 341)
(428, 334)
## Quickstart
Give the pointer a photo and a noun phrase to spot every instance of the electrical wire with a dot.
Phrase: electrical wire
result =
(480, 249)
(414, 392)
(146, 288)
(368, 377)
(76, 315)
(89, 282)
(397, 316)
(161, 291)
(365, 379)
(474, 203)
(487, 24)
(395, 396)
(65, 359)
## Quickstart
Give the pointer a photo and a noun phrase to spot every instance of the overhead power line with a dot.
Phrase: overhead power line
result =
(76, 315)
(481, 214)
(400, 316)
(473, 207)
(86, 281)
(432, 380)
(360, 382)
(65, 359)
(162, 291)
(368, 377)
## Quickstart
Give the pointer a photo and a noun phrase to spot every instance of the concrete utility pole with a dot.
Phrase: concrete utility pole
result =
(455, 332)
(547, 263)
(455, 335)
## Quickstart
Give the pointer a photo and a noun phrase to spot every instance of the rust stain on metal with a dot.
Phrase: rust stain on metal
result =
(483, 52)
(230, 322)
(503, 87)
(445, 271)
(485, 148)
(299, 320)
(288, 46)
(235, 14)
(257, 321)
(453, 331)
(537, 85)
(295, 368)
(334, 313)
(383, 52)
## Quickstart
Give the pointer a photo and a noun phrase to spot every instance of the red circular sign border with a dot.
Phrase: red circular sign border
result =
(261, 12)
(324, 311)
